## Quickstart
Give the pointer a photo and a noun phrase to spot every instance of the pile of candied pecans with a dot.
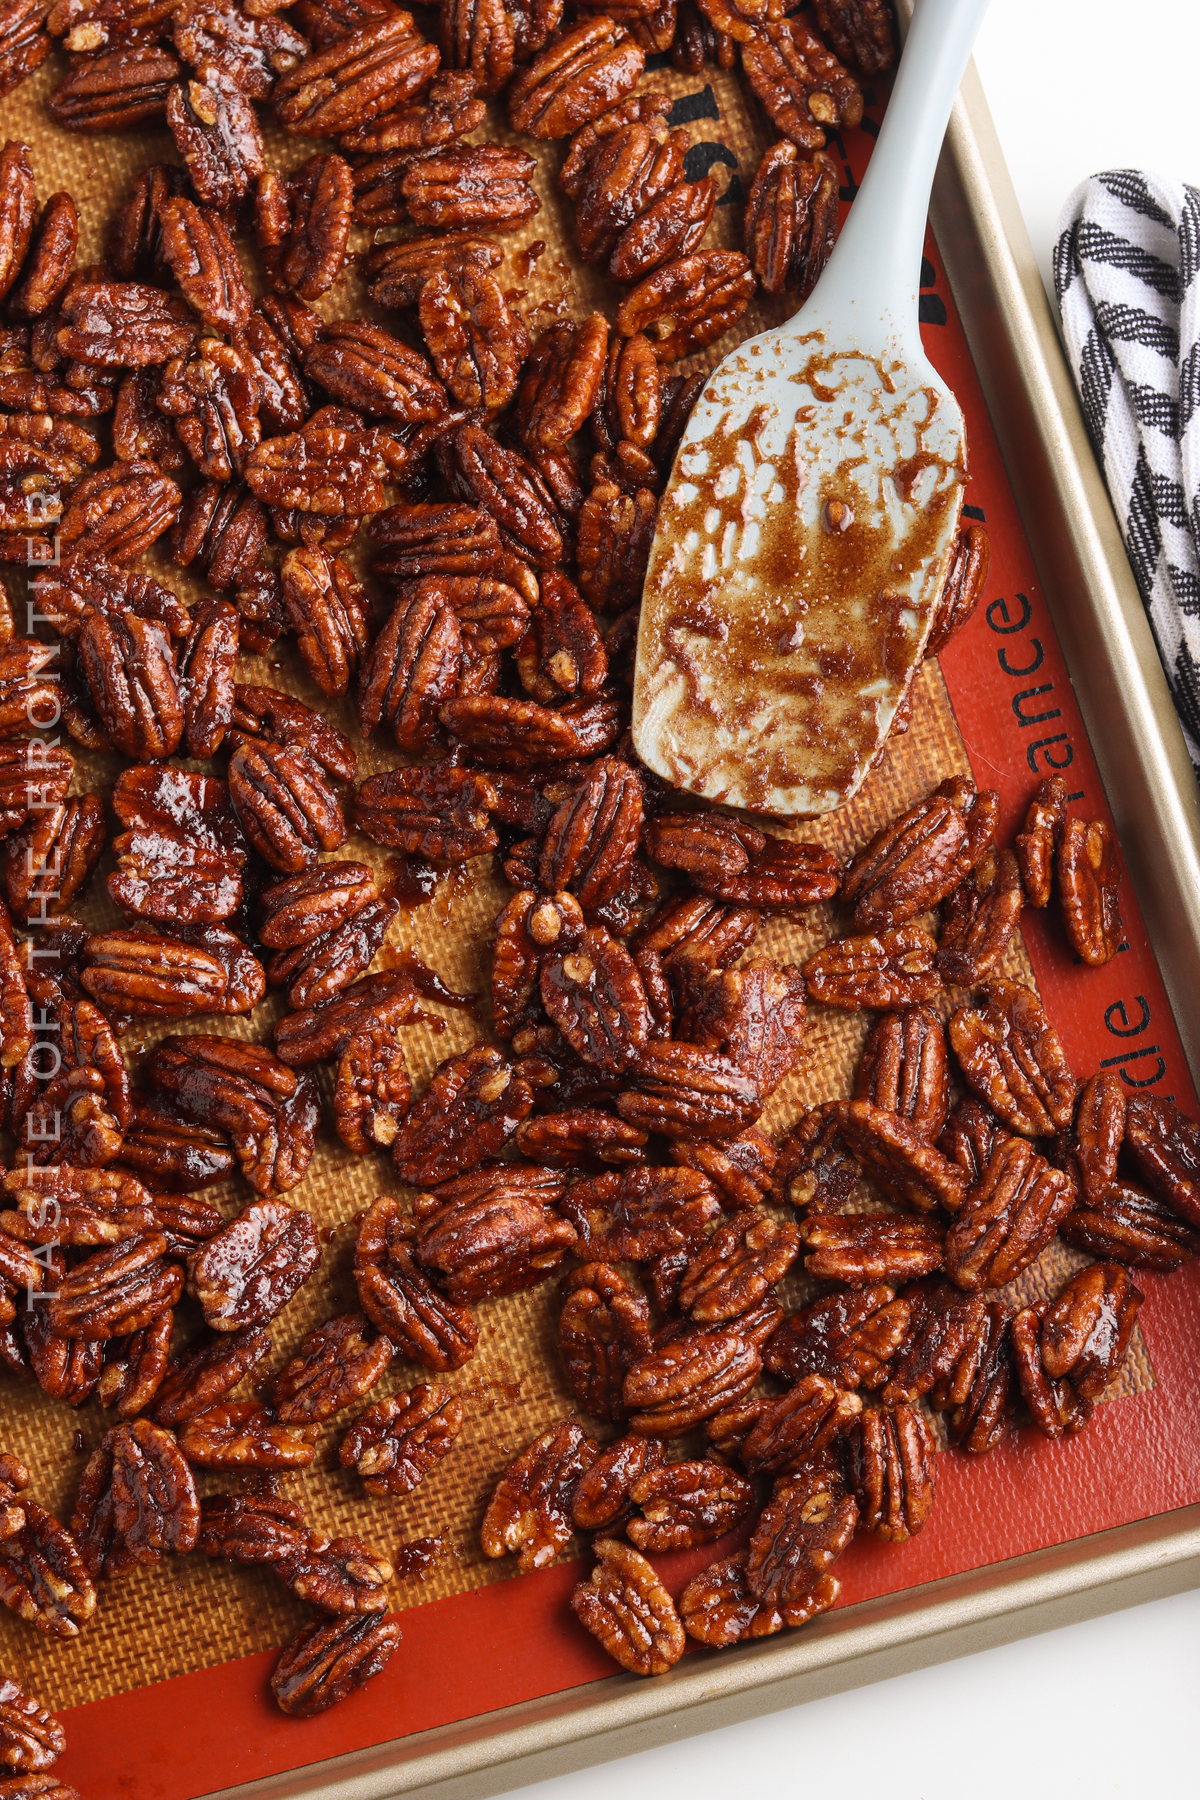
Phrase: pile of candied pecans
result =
(617, 1126)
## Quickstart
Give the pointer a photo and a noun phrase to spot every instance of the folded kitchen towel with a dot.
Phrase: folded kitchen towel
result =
(1127, 275)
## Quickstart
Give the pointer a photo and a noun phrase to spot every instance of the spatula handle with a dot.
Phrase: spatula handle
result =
(872, 280)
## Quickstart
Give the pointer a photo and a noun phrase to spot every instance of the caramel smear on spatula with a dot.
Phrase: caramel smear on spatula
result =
(800, 553)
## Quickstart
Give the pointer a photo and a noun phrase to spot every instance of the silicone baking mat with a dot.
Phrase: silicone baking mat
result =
(164, 1695)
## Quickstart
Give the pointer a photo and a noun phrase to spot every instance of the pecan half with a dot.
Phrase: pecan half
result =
(285, 804)
(49, 861)
(30, 1737)
(791, 219)
(327, 1662)
(562, 652)
(270, 1113)
(335, 1364)
(117, 513)
(1089, 881)
(980, 1391)
(217, 134)
(1131, 1226)
(396, 1443)
(1011, 1056)
(1091, 1150)
(492, 1233)
(905, 1164)
(529, 1514)
(688, 302)
(356, 78)
(809, 1522)
(377, 1002)
(42, 1575)
(398, 1296)
(603, 1328)
(860, 1248)
(372, 1091)
(477, 341)
(116, 90)
(851, 1338)
(740, 1169)
(413, 669)
(798, 1426)
(961, 592)
(182, 855)
(396, 273)
(804, 91)
(1067, 1350)
(24, 46)
(891, 1471)
(302, 224)
(137, 1500)
(251, 1268)
(627, 1609)
(584, 1135)
(737, 1267)
(594, 994)
(1008, 1218)
(945, 1326)
(34, 778)
(980, 917)
(586, 70)
(904, 1069)
(241, 1434)
(469, 1110)
(718, 1608)
(688, 1380)
(639, 1214)
(328, 609)
(208, 1370)
(1037, 845)
(687, 1503)
(895, 969)
(140, 974)
(920, 858)
(116, 1291)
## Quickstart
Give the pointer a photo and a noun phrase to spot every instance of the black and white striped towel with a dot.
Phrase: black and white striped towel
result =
(1127, 275)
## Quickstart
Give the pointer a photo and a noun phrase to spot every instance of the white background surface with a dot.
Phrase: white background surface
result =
(1109, 1707)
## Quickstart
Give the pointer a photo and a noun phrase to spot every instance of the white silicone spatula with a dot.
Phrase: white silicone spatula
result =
(804, 535)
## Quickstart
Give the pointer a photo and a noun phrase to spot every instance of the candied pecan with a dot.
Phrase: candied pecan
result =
(740, 1169)
(116, 1291)
(24, 45)
(327, 1662)
(34, 778)
(688, 302)
(30, 1737)
(135, 248)
(302, 224)
(199, 251)
(469, 1110)
(971, 1134)
(738, 863)
(1089, 881)
(891, 1472)
(78, 1207)
(627, 1609)
(48, 262)
(586, 70)
(682, 1090)
(694, 922)
(806, 1526)
(717, 1606)
(921, 857)
(214, 402)
(791, 219)
(506, 484)
(122, 324)
(251, 1268)
(804, 91)
(270, 1113)
(372, 1091)
(66, 1369)
(527, 928)
(284, 803)
(49, 861)
(1086, 1328)
(224, 529)
(851, 1338)
(396, 1443)
(117, 513)
(141, 432)
(335, 1364)
(1090, 1152)
(638, 1214)
(130, 671)
(603, 1328)
(908, 1168)
(477, 35)
(141, 974)
(435, 540)
(670, 227)
(560, 382)
(333, 467)
(674, 1387)
(1008, 1218)
(962, 590)
(1130, 1225)
(594, 994)
(455, 185)
(283, 402)
(116, 90)
(628, 401)
(736, 1268)
(980, 1391)
(366, 368)
(687, 1503)
(492, 1233)
(396, 273)
(324, 21)
(206, 676)
(859, 1248)
(530, 1512)
(42, 1574)
(412, 669)
(181, 859)
(449, 110)
(520, 734)
(945, 1327)
(562, 652)
(355, 78)
(798, 1426)
(251, 49)
(601, 1498)
(439, 814)
(16, 1014)
(904, 1069)
(475, 338)
(254, 1527)
(1037, 845)
(241, 1434)
(340, 1575)
(325, 926)
(328, 609)
(858, 31)
(377, 1002)
(754, 1015)
(217, 135)
(980, 917)
(583, 1135)
(1011, 1056)
(137, 1499)
(892, 970)
(208, 1370)
(399, 1298)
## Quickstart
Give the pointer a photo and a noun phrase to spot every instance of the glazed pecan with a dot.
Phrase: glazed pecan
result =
(49, 861)
(791, 219)
(439, 813)
(804, 91)
(141, 432)
(252, 49)
(858, 31)
(377, 1002)
(851, 1338)
(891, 1471)
(332, 468)
(798, 1426)
(144, 975)
(688, 302)
(520, 734)
(586, 70)
(459, 185)
(340, 1575)
(603, 1328)
(34, 778)
(449, 110)
(754, 1014)
(477, 35)
(48, 262)
(860, 1248)
(206, 676)
(209, 1369)
(687, 1380)
(694, 922)
(809, 1522)
(921, 857)
(1008, 1218)
(1089, 880)
(740, 1169)
(356, 78)
(626, 1607)
(254, 1527)
(241, 1434)
(434, 540)
(492, 1232)
(1068, 1349)
(1165, 1147)
(115, 1291)
(327, 1662)
(413, 669)
(130, 671)
(1130, 1225)
(265, 344)
(335, 1365)
(736, 1268)
(970, 1136)
(687, 1503)
(980, 917)
(562, 652)
(601, 1499)
(639, 1214)
(526, 930)
(115, 90)
(182, 854)
(78, 1207)
(223, 528)
(908, 1168)
(682, 1090)
(217, 134)
(14, 1479)
(366, 368)
(24, 45)
(584, 1135)
(399, 1298)
(270, 1113)
(561, 381)
(1011, 1057)
(199, 251)
(214, 402)
(895, 969)
(302, 224)
(594, 994)
(30, 1737)
(494, 475)
(396, 1443)
(1037, 846)
(372, 1091)
(469, 1110)
(980, 1391)
(670, 227)
(42, 1574)
(717, 1606)
(284, 803)
(16, 1013)
(961, 593)
(530, 1512)
(251, 1268)
(117, 513)
(475, 338)
(396, 273)
(945, 1326)
(328, 609)
(904, 1069)
(137, 1499)
(1091, 1149)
